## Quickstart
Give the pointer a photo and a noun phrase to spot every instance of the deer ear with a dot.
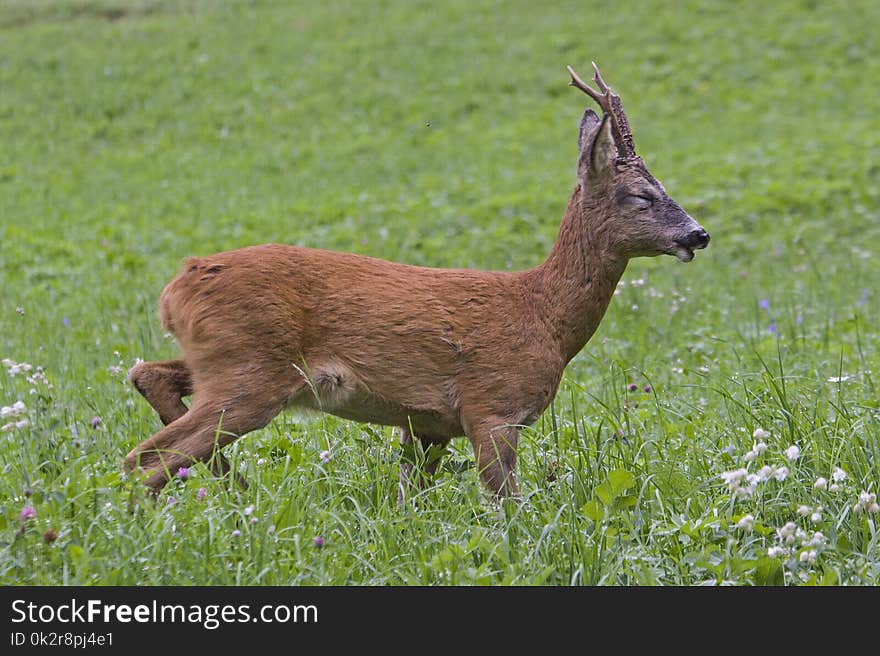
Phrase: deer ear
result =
(588, 126)
(604, 149)
(597, 145)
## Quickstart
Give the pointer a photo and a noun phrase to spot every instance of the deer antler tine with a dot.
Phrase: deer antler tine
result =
(598, 79)
(578, 83)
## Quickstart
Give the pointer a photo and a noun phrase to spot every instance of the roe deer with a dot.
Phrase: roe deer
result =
(439, 353)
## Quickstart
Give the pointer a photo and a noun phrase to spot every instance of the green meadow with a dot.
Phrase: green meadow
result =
(721, 427)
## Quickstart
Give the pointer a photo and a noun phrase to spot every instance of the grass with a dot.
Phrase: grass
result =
(133, 134)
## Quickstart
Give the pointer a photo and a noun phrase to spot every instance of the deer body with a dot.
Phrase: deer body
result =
(440, 353)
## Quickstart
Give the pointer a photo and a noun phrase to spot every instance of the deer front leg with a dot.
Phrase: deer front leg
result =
(494, 442)
(407, 465)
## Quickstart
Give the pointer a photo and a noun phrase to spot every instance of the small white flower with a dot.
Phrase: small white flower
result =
(16, 409)
(760, 434)
(834, 487)
(867, 502)
(808, 556)
(23, 423)
(781, 473)
(743, 492)
(5, 428)
(816, 517)
(818, 540)
(261, 461)
(776, 552)
(792, 452)
(820, 484)
(800, 534)
(838, 475)
(765, 472)
(734, 476)
(803, 511)
(746, 523)
(839, 379)
(760, 448)
(749, 456)
(325, 456)
(249, 510)
(753, 480)
(787, 530)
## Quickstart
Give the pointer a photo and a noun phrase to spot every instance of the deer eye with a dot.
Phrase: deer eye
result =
(640, 201)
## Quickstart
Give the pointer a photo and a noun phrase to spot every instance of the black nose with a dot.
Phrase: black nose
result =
(696, 239)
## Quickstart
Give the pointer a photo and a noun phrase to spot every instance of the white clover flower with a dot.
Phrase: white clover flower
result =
(781, 473)
(817, 541)
(764, 473)
(760, 448)
(803, 511)
(732, 478)
(816, 517)
(808, 556)
(753, 480)
(746, 523)
(793, 452)
(5, 428)
(834, 487)
(867, 502)
(22, 423)
(760, 434)
(745, 491)
(749, 456)
(800, 534)
(325, 456)
(776, 552)
(15, 410)
(787, 530)
(261, 461)
(820, 484)
(249, 510)
(838, 475)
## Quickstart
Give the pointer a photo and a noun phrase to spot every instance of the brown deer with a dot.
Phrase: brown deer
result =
(439, 353)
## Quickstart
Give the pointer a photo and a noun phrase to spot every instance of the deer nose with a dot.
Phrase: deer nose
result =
(697, 239)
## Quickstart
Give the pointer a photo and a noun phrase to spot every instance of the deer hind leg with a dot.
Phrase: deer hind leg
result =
(163, 385)
(214, 420)
(426, 468)
(494, 443)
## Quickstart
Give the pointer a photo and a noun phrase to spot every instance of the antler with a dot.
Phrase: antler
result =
(611, 105)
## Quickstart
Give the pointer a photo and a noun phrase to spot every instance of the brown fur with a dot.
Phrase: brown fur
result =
(440, 353)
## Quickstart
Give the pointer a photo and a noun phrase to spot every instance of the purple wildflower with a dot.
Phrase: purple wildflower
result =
(183, 473)
(96, 421)
(28, 512)
(201, 494)
(632, 387)
(764, 304)
(647, 389)
(319, 542)
(236, 533)
(772, 327)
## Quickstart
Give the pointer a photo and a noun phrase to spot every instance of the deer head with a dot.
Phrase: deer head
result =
(639, 218)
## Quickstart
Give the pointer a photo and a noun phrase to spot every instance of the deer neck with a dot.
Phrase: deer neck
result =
(577, 280)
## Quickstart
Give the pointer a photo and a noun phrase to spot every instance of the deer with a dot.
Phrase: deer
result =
(437, 353)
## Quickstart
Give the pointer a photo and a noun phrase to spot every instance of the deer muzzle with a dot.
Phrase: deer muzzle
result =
(685, 246)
